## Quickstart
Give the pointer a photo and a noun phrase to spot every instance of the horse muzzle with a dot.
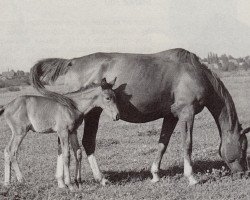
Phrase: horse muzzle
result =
(116, 117)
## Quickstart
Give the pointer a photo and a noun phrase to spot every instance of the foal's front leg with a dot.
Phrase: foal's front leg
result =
(59, 167)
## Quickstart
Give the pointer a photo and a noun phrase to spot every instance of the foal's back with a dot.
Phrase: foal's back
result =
(41, 114)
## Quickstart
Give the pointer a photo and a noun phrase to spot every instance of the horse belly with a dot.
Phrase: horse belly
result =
(142, 104)
(43, 124)
(43, 120)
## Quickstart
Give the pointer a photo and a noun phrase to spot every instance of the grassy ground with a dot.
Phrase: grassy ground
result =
(125, 152)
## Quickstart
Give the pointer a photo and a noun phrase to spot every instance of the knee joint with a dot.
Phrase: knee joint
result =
(79, 154)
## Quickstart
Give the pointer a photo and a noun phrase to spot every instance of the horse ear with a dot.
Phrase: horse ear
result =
(245, 131)
(112, 82)
(104, 81)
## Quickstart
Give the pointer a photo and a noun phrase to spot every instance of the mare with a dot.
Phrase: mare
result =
(48, 115)
(172, 84)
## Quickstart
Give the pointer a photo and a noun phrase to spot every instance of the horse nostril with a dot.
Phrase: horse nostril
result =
(117, 117)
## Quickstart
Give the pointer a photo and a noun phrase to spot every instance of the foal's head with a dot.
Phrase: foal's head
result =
(107, 99)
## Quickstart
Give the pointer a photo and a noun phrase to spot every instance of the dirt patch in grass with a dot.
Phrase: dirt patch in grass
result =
(102, 143)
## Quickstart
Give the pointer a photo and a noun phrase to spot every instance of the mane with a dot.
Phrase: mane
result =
(217, 84)
(223, 93)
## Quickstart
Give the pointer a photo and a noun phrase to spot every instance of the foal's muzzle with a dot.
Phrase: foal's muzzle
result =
(116, 117)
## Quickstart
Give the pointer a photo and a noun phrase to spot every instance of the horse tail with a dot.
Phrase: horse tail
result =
(2, 108)
(50, 69)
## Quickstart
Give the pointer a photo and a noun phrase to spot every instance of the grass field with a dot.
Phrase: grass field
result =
(125, 153)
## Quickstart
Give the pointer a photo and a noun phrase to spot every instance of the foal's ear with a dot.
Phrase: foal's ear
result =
(111, 83)
(103, 82)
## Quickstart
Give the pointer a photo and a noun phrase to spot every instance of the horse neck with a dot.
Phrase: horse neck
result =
(85, 100)
(223, 110)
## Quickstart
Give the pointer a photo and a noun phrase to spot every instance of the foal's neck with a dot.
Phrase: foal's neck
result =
(85, 100)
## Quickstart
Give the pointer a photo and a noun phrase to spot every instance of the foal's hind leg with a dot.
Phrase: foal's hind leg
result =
(78, 156)
(64, 138)
(168, 126)
(186, 117)
(10, 153)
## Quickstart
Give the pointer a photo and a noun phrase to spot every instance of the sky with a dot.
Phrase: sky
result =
(32, 30)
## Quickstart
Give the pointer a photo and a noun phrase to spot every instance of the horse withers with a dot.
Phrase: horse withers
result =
(48, 115)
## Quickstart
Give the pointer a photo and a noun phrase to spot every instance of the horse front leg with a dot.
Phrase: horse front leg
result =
(89, 142)
(59, 167)
(186, 118)
(168, 126)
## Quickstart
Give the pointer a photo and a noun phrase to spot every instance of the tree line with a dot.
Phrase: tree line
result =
(226, 62)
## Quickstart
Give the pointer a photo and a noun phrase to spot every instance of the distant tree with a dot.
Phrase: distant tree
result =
(224, 58)
(20, 73)
(204, 60)
(231, 66)
(230, 57)
(244, 66)
(240, 60)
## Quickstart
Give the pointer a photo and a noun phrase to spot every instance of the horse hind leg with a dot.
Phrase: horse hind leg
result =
(10, 153)
(64, 139)
(168, 127)
(186, 118)
(78, 156)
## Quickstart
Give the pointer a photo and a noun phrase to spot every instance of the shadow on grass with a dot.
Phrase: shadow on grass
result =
(200, 166)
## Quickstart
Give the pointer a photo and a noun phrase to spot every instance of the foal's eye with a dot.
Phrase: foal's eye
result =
(108, 98)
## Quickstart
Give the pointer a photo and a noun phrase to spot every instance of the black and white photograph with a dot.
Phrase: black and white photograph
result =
(125, 99)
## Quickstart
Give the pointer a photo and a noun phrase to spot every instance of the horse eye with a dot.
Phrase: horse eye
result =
(108, 98)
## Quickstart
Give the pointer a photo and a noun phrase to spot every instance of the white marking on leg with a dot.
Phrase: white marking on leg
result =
(59, 171)
(188, 172)
(7, 170)
(96, 171)
(155, 171)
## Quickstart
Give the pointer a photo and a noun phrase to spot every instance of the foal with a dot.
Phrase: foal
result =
(46, 115)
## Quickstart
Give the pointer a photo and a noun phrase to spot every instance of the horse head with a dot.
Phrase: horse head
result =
(236, 151)
(107, 99)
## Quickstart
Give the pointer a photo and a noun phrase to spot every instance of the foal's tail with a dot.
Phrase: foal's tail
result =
(2, 108)
(51, 69)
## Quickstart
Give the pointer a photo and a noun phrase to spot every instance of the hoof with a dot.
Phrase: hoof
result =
(236, 176)
(61, 185)
(247, 173)
(80, 186)
(104, 182)
(155, 180)
(5, 190)
(72, 188)
(6, 184)
(21, 180)
(193, 181)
